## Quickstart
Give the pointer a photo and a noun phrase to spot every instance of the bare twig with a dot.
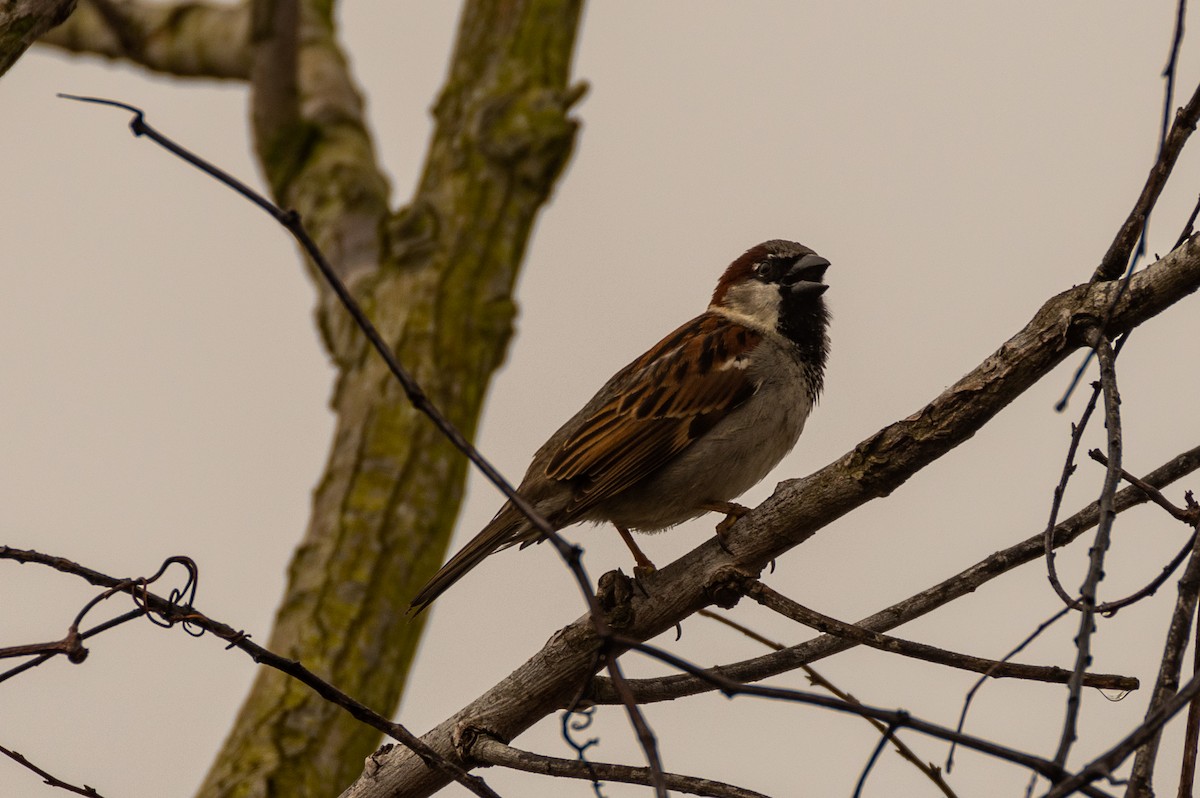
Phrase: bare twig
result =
(1115, 260)
(290, 220)
(1167, 682)
(493, 752)
(169, 613)
(1103, 765)
(1191, 737)
(962, 717)
(1087, 625)
(966, 581)
(777, 602)
(51, 654)
(896, 719)
(636, 719)
(1189, 516)
(1077, 431)
(47, 778)
(931, 771)
(888, 734)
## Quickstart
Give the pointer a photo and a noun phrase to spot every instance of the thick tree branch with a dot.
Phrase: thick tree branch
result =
(185, 39)
(799, 508)
(436, 278)
(23, 21)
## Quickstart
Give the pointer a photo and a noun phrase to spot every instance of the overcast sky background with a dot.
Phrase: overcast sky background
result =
(164, 391)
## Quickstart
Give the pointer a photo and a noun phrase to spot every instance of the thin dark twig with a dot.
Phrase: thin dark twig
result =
(1112, 480)
(586, 715)
(1190, 516)
(962, 717)
(1103, 765)
(290, 220)
(1117, 257)
(915, 606)
(889, 734)
(1155, 495)
(51, 654)
(775, 601)
(492, 751)
(641, 727)
(1136, 225)
(71, 645)
(416, 395)
(1189, 226)
(1178, 632)
(47, 778)
(1191, 737)
(1059, 490)
(898, 718)
(171, 613)
(1168, 72)
(931, 771)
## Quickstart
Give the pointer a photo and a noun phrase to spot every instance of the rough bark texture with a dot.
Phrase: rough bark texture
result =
(797, 510)
(198, 40)
(436, 277)
(23, 21)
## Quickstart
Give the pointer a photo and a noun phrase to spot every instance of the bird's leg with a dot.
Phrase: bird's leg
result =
(644, 566)
(733, 512)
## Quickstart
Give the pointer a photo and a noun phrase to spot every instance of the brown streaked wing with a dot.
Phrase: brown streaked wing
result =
(668, 397)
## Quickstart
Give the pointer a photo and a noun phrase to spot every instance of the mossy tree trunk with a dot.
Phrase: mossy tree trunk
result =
(436, 277)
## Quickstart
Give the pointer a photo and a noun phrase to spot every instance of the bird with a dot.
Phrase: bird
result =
(693, 423)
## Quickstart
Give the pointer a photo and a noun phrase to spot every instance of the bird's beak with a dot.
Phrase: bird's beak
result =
(804, 278)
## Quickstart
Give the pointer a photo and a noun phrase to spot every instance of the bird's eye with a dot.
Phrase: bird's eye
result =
(766, 270)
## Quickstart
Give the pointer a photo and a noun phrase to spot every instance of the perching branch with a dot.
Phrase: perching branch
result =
(800, 508)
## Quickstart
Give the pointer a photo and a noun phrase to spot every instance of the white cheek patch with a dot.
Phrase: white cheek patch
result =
(758, 302)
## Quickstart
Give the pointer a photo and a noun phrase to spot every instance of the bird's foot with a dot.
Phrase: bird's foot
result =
(643, 567)
(733, 513)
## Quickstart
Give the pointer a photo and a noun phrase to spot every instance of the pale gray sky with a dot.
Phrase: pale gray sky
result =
(165, 392)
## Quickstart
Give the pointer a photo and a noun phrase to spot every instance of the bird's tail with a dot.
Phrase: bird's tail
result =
(500, 533)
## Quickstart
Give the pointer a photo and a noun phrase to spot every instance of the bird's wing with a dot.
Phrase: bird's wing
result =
(662, 402)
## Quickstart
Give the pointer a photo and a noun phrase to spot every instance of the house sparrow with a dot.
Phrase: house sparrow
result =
(688, 426)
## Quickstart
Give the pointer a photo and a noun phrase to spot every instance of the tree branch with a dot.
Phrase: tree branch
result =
(671, 687)
(799, 508)
(171, 613)
(1117, 257)
(23, 21)
(490, 751)
(1167, 682)
(185, 39)
(997, 670)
